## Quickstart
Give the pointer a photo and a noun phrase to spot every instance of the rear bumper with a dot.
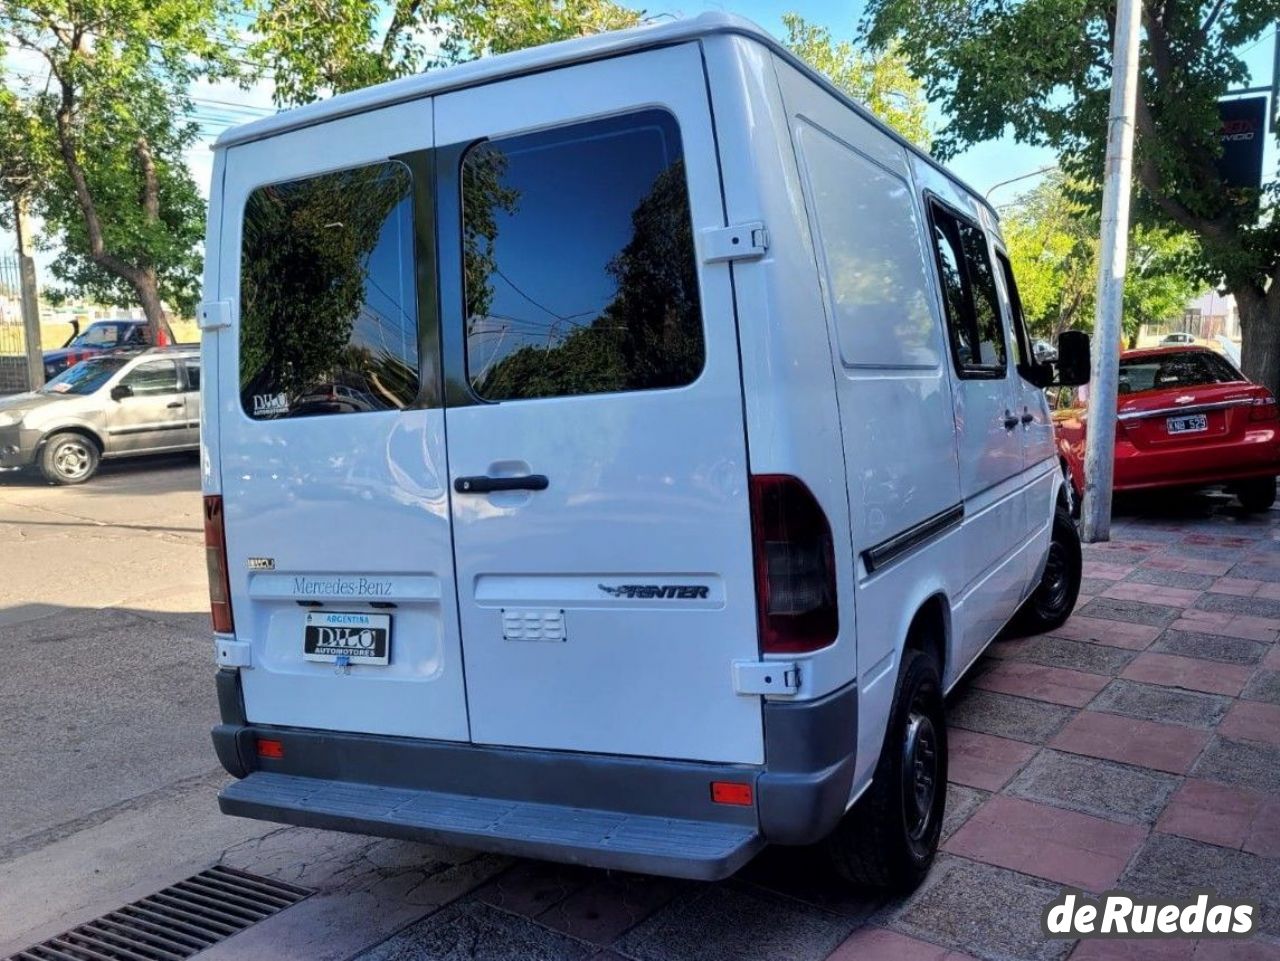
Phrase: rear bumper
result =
(1145, 468)
(625, 813)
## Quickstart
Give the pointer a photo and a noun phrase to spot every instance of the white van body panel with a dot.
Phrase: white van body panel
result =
(789, 396)
(645, 487)
(828, 358)
(351, 510)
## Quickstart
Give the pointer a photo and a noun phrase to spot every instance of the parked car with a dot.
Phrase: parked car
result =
(1187, 418)
(1177, 338)
(98, 337)
(747, 460)
(121, 404)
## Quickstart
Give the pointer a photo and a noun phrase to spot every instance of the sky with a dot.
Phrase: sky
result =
(982, 166)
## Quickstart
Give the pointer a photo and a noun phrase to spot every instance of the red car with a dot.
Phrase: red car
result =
(1188, 418)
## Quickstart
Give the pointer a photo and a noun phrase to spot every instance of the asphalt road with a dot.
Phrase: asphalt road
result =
(107, 776)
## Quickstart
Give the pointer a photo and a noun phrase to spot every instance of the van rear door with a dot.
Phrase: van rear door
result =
(332, 433)
(597, 456)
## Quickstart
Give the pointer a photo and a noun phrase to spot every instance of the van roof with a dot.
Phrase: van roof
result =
(536, 59)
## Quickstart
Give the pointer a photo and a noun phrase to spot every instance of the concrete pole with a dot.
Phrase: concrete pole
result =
(1113, 254)
(30, 297)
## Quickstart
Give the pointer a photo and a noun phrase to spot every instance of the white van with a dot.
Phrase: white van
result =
(613, 452)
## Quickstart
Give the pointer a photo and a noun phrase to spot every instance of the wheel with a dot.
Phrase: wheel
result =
(69, 459)
(1257, 495)
(889, 838)
(1051, 603)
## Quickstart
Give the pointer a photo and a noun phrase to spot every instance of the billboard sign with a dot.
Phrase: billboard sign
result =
(1242, 133)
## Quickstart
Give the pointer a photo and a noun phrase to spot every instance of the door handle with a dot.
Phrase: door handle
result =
(1010, 421)
(484, 484)
(176, 404)
(1027, 417)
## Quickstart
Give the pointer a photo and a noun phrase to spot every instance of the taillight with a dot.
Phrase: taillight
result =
(215, 555)
(1263, 408)
(795, 566)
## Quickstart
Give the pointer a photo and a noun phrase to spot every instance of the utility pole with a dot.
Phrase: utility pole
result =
(30, 296)
(1113, 254)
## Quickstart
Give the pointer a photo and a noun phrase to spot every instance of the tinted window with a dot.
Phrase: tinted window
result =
(1021, 342)
(99, 335)
(1192, 368)
(579, 264)
(327, 304)
(974, 323)
(193, 374)
(153, 377)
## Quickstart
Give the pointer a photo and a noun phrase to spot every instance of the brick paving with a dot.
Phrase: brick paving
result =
(1137, 747)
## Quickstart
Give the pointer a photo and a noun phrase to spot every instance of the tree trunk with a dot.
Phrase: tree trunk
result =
(1260, 333)
(144, 284)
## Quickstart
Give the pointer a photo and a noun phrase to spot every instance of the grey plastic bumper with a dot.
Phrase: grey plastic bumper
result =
(634, 814)
(703, 850)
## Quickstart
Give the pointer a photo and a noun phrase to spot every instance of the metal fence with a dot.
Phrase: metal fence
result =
(13, 340)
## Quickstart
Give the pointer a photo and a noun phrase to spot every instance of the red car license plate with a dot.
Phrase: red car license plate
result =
(1189, 424)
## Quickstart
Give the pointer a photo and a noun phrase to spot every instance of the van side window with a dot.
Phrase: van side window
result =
(876, 271)
(579, 263)
(328, 313)
(974, 322)
(1021, 341)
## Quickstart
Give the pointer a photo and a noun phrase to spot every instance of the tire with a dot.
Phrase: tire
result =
(1054, 598)
(69, 459)
(889, 838)
(1257, 495)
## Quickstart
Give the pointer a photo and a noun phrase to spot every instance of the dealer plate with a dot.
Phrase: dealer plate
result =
(360, 638)
(1187, 424)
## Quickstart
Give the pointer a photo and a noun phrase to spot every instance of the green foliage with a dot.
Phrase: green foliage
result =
(883, 82)
(314, 49)
(101, 136)
(1040, 69)
(1052, 236)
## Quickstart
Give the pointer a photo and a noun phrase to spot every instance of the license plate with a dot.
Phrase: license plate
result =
(360, 638)
(1189, 424)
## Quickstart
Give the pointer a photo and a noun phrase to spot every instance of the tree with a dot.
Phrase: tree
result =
(884, 83)
(103, 138)
(1041, 69)
(1052, 237)
(315, 49)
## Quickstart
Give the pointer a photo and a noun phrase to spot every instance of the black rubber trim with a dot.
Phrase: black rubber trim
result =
(810, 753)
(913, 538)
(422, 171)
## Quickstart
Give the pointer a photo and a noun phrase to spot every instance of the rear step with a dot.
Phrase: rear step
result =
(702, 850)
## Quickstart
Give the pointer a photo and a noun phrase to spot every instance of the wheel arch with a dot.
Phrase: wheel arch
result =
(930, 630)
(86, 432)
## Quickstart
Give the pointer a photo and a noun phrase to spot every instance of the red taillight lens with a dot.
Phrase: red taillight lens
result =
(268, 747)
(795, 566)
(1263, 408)
(215, 554)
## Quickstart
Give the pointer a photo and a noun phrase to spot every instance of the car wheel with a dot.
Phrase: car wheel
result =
(69, 459)
(1257, 495)
(1051, 603)
(888, 839)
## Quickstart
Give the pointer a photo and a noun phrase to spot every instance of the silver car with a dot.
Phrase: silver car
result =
(111, 405)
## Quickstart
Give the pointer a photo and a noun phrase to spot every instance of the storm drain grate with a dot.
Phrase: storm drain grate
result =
(175, 923)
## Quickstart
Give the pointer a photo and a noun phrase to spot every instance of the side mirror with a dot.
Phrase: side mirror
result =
(121, 391)
(1073, 363)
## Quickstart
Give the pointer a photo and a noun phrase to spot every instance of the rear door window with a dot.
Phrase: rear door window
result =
(1192, 368)
(579, 267)
(328, 312)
